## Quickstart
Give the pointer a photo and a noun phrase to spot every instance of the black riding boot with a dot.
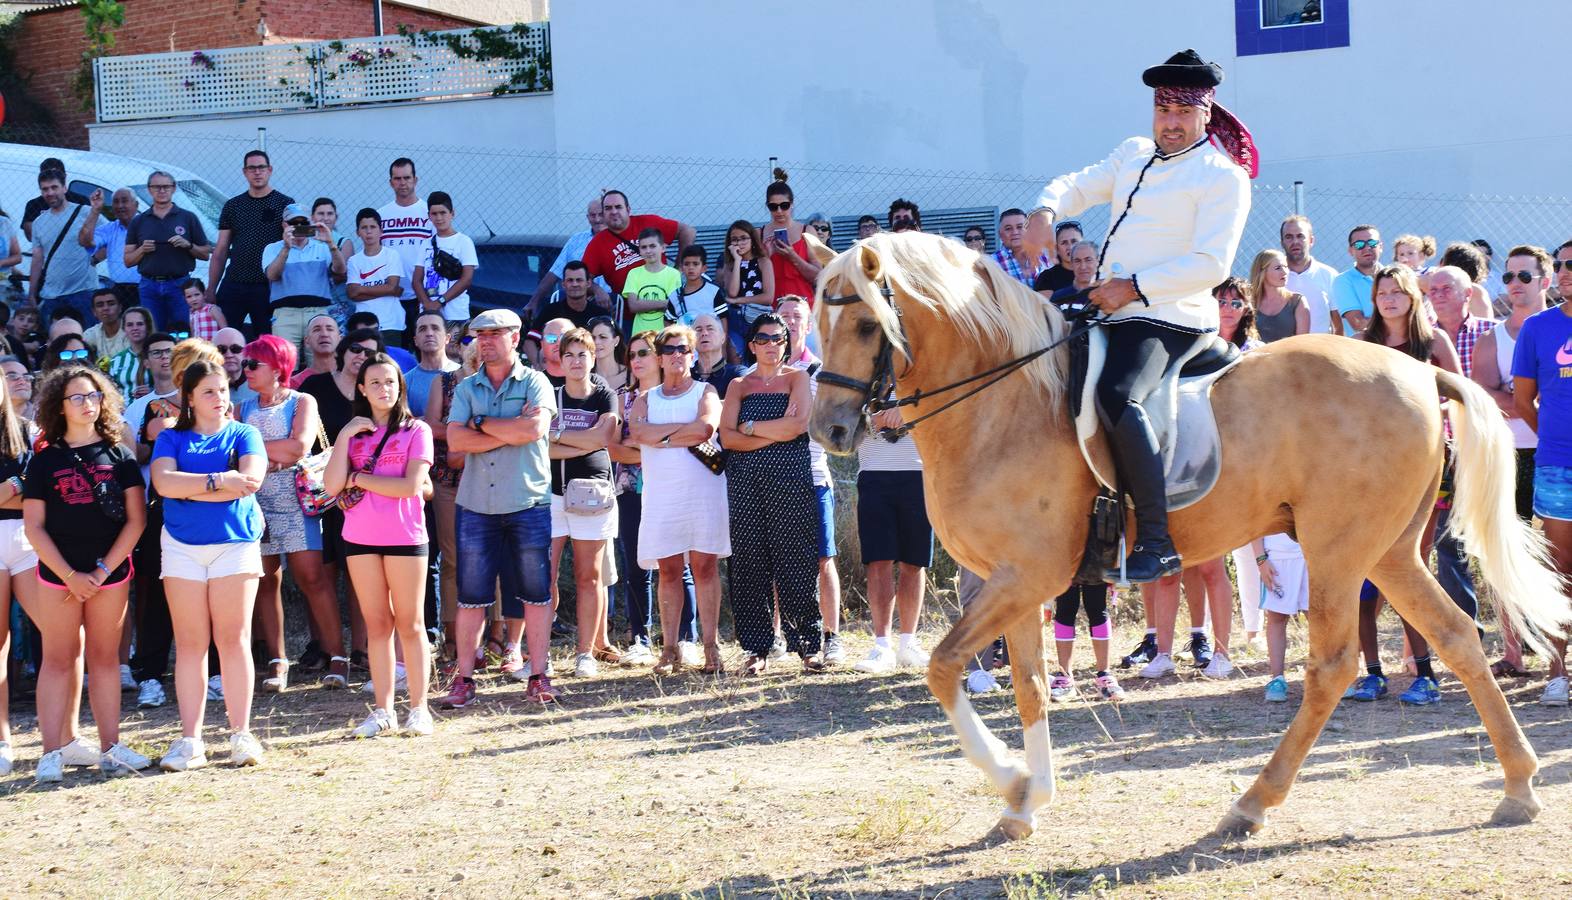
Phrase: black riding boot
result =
(1140, 465)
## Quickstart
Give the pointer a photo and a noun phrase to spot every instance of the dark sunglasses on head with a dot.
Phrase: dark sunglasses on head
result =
(231, 349)
(1065, 225)
(779, 207)
(769, 339)
(250, 365)
(67, 355)
(1524, 276)
(1360, 245)
(674, 350)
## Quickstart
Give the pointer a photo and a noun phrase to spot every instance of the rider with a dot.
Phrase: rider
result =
(1179, 208)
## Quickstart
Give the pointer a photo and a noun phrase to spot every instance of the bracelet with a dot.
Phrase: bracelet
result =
(1262, 558)
(100, 564)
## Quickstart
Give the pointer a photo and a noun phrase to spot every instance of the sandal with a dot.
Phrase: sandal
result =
(607, 654)
(670, 662)
(338, 672)
(712, 661)
(754, 665)
(279, 680)
(812, 665)
(1503, 669)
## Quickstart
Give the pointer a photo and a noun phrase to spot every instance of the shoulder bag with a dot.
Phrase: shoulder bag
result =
(309, 489)
(584, 496)
(446, 265)
(108, 494)
(353, 495)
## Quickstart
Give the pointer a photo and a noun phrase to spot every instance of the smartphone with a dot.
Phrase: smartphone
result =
(780, 235)
(303, 230)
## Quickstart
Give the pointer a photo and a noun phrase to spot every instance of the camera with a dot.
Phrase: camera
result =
(304, 230)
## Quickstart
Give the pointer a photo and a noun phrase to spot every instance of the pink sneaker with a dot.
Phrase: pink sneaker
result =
(1061, 688)
(540, 690)
(461, 695)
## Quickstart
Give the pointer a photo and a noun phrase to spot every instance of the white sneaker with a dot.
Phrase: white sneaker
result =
(379, 721)
(524, 672)
(585, 666)
(1555, 692)
(690, 654)
(637, 655)
(245, 749)
(418, 723)
(834, 653)
(400, 682)
(215, 688)
(981, 682)
(1219, 667)
(150, 695)
(51, 770)
(78, 753)
(6, 758)
(878, 661)
(184, 755)
(122, 760)
(1161, 664)
(911, 656)
(127, 681)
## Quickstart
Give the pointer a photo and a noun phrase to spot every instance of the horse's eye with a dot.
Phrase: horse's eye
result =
(866, 328)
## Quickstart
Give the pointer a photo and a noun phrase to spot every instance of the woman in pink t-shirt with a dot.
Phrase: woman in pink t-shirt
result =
(380, 469)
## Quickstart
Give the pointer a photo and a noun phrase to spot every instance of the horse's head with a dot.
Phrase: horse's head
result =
(858, 350)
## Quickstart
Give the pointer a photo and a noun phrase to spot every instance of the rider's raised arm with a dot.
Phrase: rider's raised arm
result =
(1220, 215)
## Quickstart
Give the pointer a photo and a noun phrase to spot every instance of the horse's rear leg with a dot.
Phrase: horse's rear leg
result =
(1416, 595)
(1333, 659)
(1028, 675)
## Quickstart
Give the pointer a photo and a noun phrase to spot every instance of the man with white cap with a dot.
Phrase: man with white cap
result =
(1179, 206)
(501, 417)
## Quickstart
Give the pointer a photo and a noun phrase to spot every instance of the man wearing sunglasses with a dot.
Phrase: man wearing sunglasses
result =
(1353, 292)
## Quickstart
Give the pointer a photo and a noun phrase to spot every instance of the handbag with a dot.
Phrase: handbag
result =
(353, 495)
(109, 495)
(445, 264)
(588, 496)
(712, 455)
(309, 488)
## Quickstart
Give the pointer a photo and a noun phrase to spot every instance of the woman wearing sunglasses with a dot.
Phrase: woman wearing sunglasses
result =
(69, 509)
(66, 350)
(795, 273)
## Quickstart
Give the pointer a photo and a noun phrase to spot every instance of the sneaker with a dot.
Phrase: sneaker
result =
(1367, 688)
(461, 694)
(184, 755)
(1061, 689)
(585, 666)
(150, 695)
(418, 723)
(778, 648)
(400, 683)
(1422, 692)
(834, 653)
(513, 663)
(911, 656)
(1109, 687)
(7, 758)
(379, 721)
(1220, 667)
(690, 654)
(1277, 690)
(1200, 649)
(50, 768)
(981, 682)
(1143, 653)
(127, 680)
(1555, 692)
(527, 671)
(244, 750)
(1161, 664)
(637, 654)
(122, 760)
(215, 688)
(540, 690)
(78, 753)
(878, 661)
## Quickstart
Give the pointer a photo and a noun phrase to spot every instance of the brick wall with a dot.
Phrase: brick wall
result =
(51, 42)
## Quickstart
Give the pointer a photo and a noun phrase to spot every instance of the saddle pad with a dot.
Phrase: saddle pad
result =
(1191, 448)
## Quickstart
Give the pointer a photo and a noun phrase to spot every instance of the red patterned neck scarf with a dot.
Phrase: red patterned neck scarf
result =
(1225, 129)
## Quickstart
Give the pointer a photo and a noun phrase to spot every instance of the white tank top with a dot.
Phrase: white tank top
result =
(1523, 437)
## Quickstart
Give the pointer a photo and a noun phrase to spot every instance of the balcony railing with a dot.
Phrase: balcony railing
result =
(423, 65)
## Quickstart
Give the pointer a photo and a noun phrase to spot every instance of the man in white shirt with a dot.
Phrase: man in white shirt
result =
(1309, 276)
(406, 225)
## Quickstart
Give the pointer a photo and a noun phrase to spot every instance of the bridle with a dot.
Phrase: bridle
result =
(882, 384)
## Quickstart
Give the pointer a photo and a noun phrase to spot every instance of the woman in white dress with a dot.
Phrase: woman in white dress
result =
(685, 516)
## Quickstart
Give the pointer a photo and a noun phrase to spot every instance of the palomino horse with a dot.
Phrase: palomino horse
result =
(1337, 441)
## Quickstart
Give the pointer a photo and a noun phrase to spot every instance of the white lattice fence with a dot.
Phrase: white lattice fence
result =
(233, 79)
(429, 65)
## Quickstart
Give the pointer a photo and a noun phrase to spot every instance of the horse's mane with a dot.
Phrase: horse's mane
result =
(967, 288)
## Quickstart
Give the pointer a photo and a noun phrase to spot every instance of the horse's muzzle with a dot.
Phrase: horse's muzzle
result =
(838, 427)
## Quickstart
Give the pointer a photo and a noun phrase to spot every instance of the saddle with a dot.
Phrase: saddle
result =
(1181, 412)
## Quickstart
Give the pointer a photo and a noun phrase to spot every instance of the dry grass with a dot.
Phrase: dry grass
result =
(841, 785)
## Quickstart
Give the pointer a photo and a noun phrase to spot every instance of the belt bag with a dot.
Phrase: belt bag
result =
(588, 496)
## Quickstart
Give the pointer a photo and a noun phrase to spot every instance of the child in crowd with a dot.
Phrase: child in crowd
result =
(1094, 597)
(1285, 592)
(698, 294)
(650, 288)
(206, 318)
(443, 283)
(377, 276)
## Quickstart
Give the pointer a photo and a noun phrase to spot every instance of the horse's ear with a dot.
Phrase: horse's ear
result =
(820, 251)
(872, 266)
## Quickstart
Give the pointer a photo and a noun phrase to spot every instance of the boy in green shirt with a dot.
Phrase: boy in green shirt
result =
(649, 287)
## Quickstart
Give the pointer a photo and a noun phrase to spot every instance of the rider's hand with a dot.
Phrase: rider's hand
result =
(1114, 294)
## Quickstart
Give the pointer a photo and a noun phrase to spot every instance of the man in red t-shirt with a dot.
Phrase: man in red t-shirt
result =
(614, 252)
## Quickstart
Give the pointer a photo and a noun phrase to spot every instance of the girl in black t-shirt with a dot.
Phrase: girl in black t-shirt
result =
(84, 551)
(586, 421)
(18, 562)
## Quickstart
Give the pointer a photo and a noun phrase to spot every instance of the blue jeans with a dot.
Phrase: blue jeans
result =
(513, 546)
(166, 300)
(81, 302)
(1452, 569)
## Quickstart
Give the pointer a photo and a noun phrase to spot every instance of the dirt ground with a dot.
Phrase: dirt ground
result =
(827, 786)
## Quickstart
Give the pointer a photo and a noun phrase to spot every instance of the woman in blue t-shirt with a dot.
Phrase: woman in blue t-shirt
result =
(207, 467)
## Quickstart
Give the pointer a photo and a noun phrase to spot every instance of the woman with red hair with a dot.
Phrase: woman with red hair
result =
(288, 422)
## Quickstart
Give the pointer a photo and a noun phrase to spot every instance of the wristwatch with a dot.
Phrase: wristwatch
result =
(476, 422)
(746, 428)
(666, 441)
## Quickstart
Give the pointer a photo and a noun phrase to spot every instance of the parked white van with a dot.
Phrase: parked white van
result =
(87, 171)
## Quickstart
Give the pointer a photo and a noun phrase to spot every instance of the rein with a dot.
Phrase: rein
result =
(883, 381)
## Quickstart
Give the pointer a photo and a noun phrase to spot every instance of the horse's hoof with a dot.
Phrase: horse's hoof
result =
(1236, 826)
(1010, 828)
(1515, 811)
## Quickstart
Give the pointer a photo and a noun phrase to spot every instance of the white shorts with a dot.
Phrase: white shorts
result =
(203, 562)
(1293, 577)
(582, 528)
(16, 551)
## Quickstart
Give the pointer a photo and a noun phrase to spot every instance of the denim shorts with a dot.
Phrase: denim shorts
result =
(515, 547)
(1553, 492)
(826, 494)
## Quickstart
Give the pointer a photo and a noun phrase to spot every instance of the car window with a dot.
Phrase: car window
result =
(86, 188)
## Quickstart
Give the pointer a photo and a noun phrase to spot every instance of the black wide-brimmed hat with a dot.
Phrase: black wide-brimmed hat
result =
(1184, 69)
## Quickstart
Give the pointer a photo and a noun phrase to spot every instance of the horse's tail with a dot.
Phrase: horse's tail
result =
(1513, 557)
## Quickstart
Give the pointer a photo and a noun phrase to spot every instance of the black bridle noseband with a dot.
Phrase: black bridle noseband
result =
(882, 384)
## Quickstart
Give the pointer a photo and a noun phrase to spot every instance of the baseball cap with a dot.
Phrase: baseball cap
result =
(293, 212)
(496, 318)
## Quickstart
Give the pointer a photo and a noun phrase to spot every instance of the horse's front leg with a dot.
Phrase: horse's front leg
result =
(1029, 676)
